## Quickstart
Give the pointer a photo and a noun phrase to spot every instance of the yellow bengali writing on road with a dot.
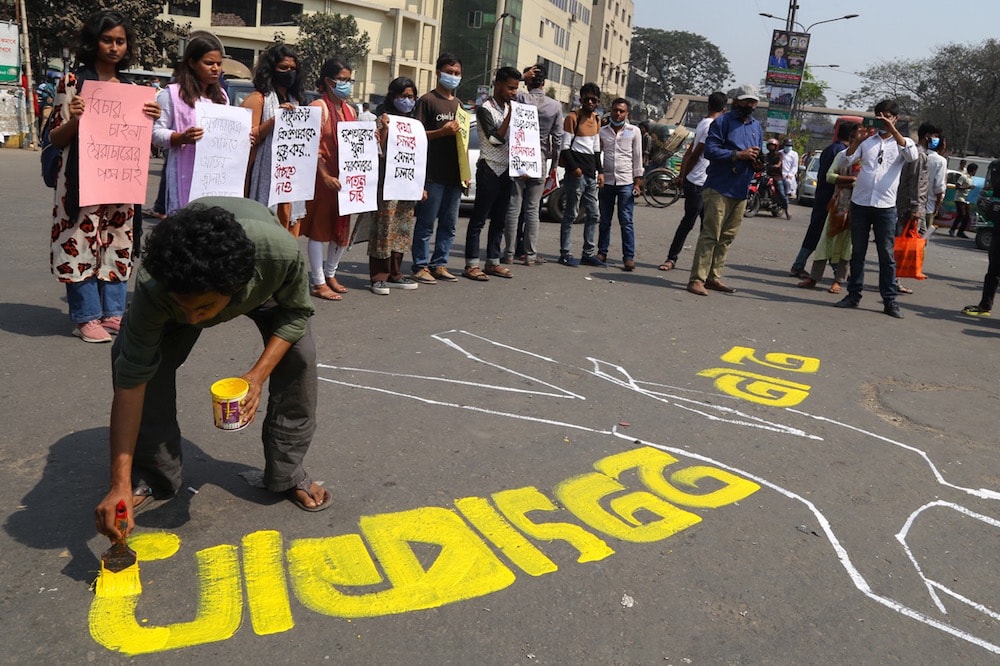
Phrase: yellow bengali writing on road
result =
(758, 388)
(483, 543)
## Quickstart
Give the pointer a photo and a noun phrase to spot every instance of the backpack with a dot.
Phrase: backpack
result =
(51, 156)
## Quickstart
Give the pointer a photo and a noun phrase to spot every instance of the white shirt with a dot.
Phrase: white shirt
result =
(937, 170)
(697, 174)
(622, 154)
(789, 164)
(881, 163)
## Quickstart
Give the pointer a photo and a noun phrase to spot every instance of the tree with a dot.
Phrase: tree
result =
(325, 36)
(902, 80)
(678, 63)
(54, 24)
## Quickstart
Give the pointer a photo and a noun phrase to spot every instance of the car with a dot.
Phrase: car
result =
(807, 186)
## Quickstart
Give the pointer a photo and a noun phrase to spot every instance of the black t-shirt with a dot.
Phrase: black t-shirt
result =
(434, 111)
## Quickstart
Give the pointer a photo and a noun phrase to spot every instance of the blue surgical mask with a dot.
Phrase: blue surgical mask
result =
(787, 149)
(449, 81)
(934, 143)
(619, 123)
(404, 104)
(343, 89)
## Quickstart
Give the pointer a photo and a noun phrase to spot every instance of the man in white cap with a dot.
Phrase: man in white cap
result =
(732, 149)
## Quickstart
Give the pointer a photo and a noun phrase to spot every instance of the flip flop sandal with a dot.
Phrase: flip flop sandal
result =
(475, 273)
(146, 493)
(667, 265)
(834, 288)
(905, 290)
(324, 292)
(336, 286)
(306, 486)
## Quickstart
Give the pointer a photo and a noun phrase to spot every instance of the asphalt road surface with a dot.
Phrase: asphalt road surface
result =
(576, 465)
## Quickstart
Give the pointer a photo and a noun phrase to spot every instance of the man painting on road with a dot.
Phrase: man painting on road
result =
(873, 205)
(204, 265)
(732, 149)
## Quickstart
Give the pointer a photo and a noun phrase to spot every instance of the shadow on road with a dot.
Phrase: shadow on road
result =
(34, 320)
(58, 512)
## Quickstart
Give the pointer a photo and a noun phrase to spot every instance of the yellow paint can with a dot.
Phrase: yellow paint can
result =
(226, 396)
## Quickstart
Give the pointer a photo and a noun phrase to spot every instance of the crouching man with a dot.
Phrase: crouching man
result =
(206, 264)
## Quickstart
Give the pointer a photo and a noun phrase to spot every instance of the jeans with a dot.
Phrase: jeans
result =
(288, 425)
(579, 188)
(441, 205)
(723, 217)
(694, 207)
(779, 190)
(624, 197)
(93, 299)
(525, 197)
(492, 199)
(992, 279)
(883, 221)
(813, 233)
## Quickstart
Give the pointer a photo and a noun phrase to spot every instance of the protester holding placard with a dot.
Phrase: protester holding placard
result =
(277, 84)
(92, 245)
(437, 110)
(392, 228)
(196, 78)
(323, 222)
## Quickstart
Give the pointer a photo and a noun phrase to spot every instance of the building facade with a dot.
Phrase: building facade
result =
(610, 44)
(404, 34)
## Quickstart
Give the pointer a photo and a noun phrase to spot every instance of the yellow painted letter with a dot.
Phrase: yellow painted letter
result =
(760, 389)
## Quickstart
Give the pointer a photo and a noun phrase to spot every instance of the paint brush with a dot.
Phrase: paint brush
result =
(119, 574)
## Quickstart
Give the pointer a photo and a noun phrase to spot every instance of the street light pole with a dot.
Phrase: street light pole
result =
(499, 40)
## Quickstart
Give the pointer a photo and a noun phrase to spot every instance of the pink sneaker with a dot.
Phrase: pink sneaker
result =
(92, 331)
(112, 324)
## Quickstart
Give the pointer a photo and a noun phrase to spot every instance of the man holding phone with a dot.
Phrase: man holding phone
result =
(873, 205)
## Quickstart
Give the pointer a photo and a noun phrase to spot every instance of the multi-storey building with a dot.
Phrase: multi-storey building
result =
(404, 34)
(610, 44)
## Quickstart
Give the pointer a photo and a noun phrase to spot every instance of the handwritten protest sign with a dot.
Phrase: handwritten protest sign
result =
(358, 161)
(222, 154)
(114, 143)
(525, 141)
(464, 124)
(405, 160)
(294, 151)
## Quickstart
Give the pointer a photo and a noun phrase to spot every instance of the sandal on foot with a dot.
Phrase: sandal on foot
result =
(475, 273)
(667, 265)
(306, 486)
(834, 288)
(808, 283)
(336, 286)
(498, 271)
(146, 494)
(323, 291)
(904, 290)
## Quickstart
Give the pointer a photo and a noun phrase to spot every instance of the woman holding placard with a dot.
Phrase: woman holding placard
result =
(91, 245)
(196, 78)
(323, 222)
(392, 226)
(278, 84)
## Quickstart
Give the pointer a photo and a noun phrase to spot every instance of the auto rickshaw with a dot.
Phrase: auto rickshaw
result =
(988, 207)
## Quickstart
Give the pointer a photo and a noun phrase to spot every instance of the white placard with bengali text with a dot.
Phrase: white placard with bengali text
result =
(405, 160)
(294, 154)
(223, 152)
(357, 152)
(524, 141)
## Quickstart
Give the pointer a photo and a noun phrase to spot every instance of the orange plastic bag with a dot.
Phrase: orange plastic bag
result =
(909, 251)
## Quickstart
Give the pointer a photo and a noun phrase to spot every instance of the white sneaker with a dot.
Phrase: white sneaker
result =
(404, 283)
(379, 287)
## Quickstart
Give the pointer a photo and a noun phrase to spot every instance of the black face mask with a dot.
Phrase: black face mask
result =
(743, 112)
(285, 79)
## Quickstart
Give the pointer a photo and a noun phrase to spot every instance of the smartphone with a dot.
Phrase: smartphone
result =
(877, 123)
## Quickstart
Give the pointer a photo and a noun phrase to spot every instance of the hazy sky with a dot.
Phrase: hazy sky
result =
(883, 31)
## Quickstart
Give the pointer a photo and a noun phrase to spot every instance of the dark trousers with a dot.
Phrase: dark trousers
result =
(813, 232)
(492, 199)
(289, 423)
(992, 280)
(693, 208)
(865, 219)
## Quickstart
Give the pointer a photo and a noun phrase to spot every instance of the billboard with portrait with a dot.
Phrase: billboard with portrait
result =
(786, 58)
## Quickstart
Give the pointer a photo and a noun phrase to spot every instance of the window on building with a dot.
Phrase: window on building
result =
(476, 19)
(245, 56)
(239, 13)
(607, 33)
(184, 9)
(278, 12)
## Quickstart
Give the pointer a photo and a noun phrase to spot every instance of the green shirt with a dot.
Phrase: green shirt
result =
(280, 275)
